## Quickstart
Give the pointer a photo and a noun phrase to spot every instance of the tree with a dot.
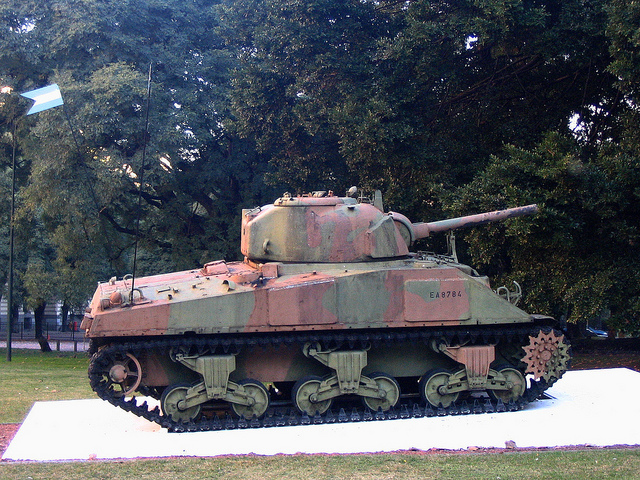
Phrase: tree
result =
(580, 257)
(83, 191)
(577, 257)
(463, 107)
(412, 98)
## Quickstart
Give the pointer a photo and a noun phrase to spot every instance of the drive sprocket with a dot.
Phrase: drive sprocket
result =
(548, 355)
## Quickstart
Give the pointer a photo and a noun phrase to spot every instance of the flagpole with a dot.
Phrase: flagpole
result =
(141, 179)
(45, 98)
(73, 132)
(10, 285)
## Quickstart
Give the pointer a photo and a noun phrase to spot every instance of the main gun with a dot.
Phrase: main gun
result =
(424, 229)
(415, 231)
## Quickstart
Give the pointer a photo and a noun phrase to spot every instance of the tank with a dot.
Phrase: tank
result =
(329, 312)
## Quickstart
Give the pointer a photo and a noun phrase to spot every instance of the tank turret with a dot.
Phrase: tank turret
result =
(321, 229)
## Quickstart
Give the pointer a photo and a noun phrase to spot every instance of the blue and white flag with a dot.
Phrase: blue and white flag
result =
(45, 97)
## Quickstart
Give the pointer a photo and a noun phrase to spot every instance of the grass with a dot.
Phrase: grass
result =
(584, 464)
(34, 376)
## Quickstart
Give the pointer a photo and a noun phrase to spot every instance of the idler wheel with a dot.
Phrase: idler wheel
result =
(303, 394)
(258, 392)
(123, 375)
(433, 388)
(389, 389)
(171, 407)
(516, 384)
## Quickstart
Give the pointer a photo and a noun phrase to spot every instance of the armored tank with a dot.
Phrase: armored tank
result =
(329, 312)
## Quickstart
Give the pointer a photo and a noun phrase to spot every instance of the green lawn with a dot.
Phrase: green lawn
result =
(34, 376)
(584, 465)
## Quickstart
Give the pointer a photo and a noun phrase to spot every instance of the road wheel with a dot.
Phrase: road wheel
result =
(303, 396)
(170, 400)
(388, 385)
(433, 388)
(516, 384)
(259, 393)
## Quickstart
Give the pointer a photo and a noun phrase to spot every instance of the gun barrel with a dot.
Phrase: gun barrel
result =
(424, 229)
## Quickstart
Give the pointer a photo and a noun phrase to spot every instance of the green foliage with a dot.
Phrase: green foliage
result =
(623, 29)
(577, 256)
(449, 107)
(412, 99)
(78, 190)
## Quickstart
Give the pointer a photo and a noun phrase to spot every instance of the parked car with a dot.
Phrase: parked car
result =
(595, 333)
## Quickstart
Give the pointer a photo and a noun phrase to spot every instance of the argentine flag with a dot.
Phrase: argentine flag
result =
(45, 97)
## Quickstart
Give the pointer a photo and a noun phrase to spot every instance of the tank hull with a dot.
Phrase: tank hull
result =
(361, 330)
(392, 294)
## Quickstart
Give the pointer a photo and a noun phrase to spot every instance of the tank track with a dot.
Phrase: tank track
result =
(288, 415)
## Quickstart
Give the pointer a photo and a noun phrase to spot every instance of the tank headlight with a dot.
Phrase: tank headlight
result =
(115, 299)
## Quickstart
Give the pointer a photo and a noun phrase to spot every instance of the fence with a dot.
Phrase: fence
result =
(25, 330)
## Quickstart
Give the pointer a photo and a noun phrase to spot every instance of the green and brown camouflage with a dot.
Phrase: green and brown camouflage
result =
(339, 229)
(317, 267)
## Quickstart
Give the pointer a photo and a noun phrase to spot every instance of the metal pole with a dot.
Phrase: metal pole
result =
(10, 286)
(144, 153)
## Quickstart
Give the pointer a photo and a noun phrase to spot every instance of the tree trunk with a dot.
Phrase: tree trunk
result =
(38, 314)
(15, 326)
(65, 317)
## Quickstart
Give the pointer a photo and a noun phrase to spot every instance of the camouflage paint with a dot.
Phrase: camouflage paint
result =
(283, 364)
(365, 295)
(312, 263)
(329, 229)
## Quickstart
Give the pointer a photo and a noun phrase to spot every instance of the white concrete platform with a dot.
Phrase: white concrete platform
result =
(590, 407)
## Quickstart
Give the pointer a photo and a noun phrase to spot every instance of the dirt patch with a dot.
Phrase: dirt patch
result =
(7, 432)
(620, 353)
(596, 359)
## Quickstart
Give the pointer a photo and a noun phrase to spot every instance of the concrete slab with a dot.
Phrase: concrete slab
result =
(593, 407)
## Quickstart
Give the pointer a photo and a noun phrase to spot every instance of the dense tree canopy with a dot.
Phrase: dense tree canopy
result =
(447, 107)
(463, 107)
(80, 166)
(411, 97)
